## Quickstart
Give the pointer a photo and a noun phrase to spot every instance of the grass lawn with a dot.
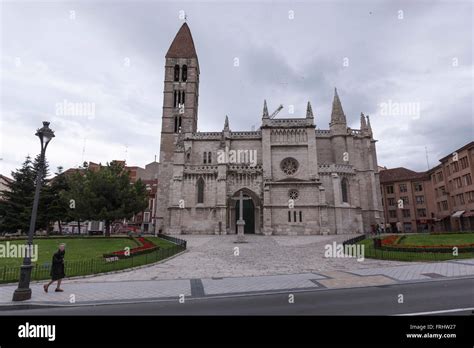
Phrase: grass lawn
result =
(79, 249)
(418, 239)
(438, 239)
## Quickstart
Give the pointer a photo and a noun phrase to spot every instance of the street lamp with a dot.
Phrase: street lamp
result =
(23, 292)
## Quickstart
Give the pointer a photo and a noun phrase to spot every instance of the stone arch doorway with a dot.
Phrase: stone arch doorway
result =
(248, 215)
(251, 212)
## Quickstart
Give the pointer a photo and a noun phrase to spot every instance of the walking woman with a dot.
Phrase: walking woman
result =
(57, 269)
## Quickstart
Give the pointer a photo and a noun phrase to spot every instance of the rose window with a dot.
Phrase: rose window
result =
(293, 194)
(289, 166)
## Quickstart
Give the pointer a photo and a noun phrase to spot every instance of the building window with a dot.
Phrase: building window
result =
(294, 216)
(289, 216)
(464, 162)
(389, 189)
(420, 199)
(444, 204)
(204, 158)
(176, 73)
(470, 196)
(345, 190)
(402, 187)
(405, 200)
(392, 214)
(293, 194)
(391, 201)
(175, 99)
(467, 179)
(456, 167)
(184, 73)
(177, 124)
(289, 166)
(421, 212)
(301, 216)
(209, 158)
(200, 190)
(418, 187)
(406, 213)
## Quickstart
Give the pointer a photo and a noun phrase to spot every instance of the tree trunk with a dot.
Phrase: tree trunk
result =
(107, 228)
(79, 226)
(60, 227)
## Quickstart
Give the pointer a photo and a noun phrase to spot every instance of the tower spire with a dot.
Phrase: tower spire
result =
(363, 124)
(265, 109)
(369, 127)
(337, 114)
(226, 124)
(183, 44)
(309, 111)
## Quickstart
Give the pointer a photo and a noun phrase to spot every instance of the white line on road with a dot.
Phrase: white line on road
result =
(441, 311)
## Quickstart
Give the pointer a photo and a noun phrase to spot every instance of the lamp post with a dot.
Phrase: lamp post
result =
(23, 292)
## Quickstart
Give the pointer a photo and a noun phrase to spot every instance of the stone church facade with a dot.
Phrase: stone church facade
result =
(293, 177)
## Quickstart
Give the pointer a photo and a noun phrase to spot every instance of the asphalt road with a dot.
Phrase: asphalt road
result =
(455, 297)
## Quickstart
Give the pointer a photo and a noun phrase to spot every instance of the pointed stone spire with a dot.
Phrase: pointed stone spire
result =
(369, 127)
(182, 45)
(337, 114)
(265, 109)
(309, 111)
(363, 124)
(226, 124)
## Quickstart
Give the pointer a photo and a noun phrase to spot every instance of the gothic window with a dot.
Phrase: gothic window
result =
(294, 216)
(204, 158)
(293, 194)
(301, 216)
(177, 124)
(184, 73)
(175, 99)
(209, 159)
(345, 189)
(200, 190)
(289, 216)
(289, 166)
(176, 73)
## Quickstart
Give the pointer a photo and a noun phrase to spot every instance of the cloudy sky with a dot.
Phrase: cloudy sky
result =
(407, 64)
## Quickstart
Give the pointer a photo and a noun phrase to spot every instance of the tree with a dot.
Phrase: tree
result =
(58, 208)
(17, 202)
(106, 195)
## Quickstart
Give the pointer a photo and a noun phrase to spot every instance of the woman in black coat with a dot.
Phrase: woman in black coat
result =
(57, 269)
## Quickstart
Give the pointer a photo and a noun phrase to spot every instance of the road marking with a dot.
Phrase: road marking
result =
(441, 311)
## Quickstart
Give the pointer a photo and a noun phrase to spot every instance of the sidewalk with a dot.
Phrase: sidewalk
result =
(93, 293)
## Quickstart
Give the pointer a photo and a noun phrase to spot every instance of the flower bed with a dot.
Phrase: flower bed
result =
(145, 247)
(392, 243)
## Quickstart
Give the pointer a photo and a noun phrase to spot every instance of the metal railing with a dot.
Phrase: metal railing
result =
(10, 274)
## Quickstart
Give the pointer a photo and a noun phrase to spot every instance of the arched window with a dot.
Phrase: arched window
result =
(184, 73)
(175, 103)
(176, 73)
(289, 216)
(200, 190)
(345, 190)
(177, 124)
(209, 159)
(204, 158)
(181, 99)
(301, 216)
(294, 216)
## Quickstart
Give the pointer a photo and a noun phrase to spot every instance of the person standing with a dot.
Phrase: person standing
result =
(57, 268)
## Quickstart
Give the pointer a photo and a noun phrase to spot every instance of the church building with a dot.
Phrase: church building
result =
(290, 177)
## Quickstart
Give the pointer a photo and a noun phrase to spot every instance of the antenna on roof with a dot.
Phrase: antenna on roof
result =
(427, 162)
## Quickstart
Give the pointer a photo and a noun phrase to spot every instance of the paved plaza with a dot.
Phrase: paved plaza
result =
(215, 256)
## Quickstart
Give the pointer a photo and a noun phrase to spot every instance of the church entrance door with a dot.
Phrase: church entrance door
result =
(248, 215)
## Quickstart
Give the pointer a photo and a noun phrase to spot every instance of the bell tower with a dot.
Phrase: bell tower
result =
(180, 111)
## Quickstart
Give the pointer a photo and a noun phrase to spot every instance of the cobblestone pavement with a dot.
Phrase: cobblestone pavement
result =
(213, 256)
